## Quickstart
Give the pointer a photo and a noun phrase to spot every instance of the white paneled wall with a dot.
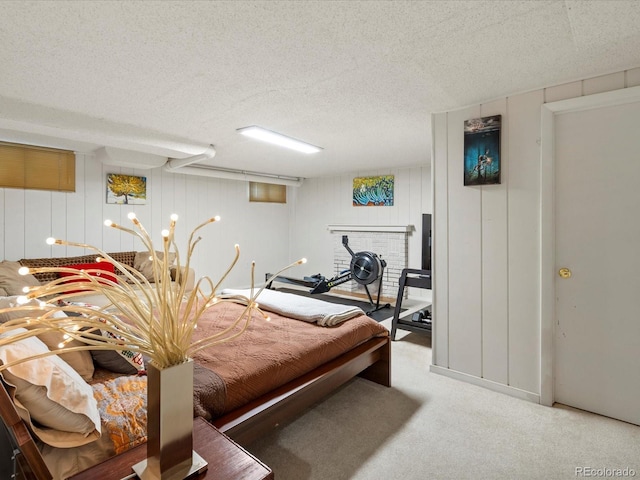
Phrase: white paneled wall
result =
(487, 244)
(465, 256)
(322, 202)
(28, 217)
(271, 234)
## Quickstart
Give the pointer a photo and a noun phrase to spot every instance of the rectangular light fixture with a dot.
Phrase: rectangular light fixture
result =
(265, 135)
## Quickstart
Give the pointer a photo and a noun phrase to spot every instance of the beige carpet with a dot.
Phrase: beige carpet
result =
(428, 426)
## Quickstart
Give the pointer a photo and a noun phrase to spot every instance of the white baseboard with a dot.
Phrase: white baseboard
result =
(483, 382)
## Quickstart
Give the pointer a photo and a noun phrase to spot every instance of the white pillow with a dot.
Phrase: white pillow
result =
(81, 361)
(48, 387)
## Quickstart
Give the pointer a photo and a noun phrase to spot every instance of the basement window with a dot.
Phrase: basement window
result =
(37, 168)
(267, 192)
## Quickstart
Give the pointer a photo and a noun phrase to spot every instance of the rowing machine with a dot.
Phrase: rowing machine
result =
(365, 268)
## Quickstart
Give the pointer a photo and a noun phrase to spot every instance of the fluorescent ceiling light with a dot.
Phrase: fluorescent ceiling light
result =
(265, 135)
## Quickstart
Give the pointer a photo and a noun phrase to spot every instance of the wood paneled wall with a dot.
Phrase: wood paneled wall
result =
(28, 217)
(327, 201)
(271, 234)
(487, 244)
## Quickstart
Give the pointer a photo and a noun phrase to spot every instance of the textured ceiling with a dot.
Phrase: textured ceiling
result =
(358, 78)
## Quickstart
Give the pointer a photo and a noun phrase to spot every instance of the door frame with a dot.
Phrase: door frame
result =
(547, 220)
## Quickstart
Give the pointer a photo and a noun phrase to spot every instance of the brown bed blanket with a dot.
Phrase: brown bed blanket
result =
(227, 376)
(267, 355)
(209, 393)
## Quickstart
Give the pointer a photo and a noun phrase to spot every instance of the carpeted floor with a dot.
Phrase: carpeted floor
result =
(378, 315)
(428, 426)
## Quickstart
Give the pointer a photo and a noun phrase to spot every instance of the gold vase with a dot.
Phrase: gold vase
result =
(170, 454)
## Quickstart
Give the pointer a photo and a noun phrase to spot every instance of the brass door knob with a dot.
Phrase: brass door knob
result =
(564, 272)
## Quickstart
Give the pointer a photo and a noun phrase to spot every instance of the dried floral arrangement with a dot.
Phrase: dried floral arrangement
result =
(155, 319)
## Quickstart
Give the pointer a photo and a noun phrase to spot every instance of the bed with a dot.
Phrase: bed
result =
(271, 373)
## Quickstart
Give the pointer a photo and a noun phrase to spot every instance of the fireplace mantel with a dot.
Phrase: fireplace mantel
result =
(389, 242)
(371, 228)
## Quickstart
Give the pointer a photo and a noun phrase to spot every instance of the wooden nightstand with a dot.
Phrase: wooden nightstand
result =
(227, 460)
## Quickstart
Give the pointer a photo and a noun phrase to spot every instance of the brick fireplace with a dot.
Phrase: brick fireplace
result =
(388, 242)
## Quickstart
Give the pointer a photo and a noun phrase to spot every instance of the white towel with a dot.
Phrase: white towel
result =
(299, 307)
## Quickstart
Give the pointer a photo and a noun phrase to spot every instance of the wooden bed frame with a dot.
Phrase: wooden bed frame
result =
(370, 360)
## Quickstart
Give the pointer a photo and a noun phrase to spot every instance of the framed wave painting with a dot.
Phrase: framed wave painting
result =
(373, 191)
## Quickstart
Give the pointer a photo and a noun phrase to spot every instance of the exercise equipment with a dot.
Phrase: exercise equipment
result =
(365, 268)
(421, 321)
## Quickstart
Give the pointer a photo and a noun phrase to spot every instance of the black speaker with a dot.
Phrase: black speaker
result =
(426, 241)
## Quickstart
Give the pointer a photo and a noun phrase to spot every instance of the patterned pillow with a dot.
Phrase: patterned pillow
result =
(46, 277)
(119, 361)
(122, 402)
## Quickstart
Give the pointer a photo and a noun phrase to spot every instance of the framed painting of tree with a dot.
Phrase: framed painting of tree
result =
(126, 189)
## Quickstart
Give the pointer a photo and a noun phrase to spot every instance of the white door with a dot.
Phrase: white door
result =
(597, 331)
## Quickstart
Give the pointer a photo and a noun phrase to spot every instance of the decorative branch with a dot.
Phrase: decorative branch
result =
(156, 319)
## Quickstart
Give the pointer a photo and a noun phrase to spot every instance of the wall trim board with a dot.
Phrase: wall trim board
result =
(547, 255)
(488, 384)
(597, 100)
(371, 228)
(440, 239)
(547, 219)
(434, 327)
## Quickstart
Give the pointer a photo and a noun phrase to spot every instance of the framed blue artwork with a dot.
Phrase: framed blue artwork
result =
(373, 191)
(482, 150)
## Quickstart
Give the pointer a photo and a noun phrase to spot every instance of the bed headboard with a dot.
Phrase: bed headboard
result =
(29, 461)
